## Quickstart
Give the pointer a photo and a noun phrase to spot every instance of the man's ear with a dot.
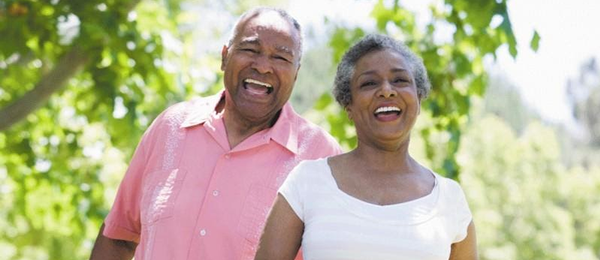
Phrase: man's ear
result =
(297, 70)
(224, 52)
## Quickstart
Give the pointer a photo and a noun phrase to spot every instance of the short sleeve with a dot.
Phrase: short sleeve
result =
(463, 214)
(291, 190)
(123, 221)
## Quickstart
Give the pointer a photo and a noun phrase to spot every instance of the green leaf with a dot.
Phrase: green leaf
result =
(535, 41)
(382, 15)
(323, 102)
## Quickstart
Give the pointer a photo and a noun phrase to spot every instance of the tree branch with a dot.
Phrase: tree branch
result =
(67, 67)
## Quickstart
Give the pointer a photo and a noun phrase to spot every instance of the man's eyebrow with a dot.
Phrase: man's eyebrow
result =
(253, 41)
(285, 50)
(256, 41)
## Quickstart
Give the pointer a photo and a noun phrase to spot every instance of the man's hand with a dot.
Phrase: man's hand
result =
(112, 249)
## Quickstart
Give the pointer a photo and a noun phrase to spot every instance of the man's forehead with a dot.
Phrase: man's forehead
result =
(270, 20)
(265, 22)
(254, 40)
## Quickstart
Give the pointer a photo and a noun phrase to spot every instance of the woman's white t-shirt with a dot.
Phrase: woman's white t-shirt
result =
(339, 226)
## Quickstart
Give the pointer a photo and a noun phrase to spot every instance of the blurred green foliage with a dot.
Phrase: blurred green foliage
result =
(454, 65)
(525, 203)
(60, 165)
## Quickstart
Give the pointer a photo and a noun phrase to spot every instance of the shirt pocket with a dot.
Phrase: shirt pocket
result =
(256, 208)
(160, 194)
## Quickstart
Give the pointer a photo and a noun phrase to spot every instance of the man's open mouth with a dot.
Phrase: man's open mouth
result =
(258, 87)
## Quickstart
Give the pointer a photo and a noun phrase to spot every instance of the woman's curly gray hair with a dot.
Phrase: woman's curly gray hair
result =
(368, 44)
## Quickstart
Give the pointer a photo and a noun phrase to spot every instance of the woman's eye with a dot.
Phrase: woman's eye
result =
(400, 80)
(368, 83)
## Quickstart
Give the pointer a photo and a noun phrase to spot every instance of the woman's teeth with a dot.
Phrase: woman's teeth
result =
(388, 109)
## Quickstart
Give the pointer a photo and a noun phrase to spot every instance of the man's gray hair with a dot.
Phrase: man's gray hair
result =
(372, 43)
(258, 10)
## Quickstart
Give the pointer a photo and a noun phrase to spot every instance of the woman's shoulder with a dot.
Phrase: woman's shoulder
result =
(311, 167)
(451, 193)
(450, 185)
(308, 173)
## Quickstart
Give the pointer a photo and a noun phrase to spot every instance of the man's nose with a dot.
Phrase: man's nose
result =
(262, 64)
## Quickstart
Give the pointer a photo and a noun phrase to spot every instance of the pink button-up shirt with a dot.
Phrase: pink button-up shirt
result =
(187, 195)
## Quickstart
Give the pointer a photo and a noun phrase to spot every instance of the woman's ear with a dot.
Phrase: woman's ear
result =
(349, 113)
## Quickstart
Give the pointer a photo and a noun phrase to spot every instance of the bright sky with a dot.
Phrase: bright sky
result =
(569, 36)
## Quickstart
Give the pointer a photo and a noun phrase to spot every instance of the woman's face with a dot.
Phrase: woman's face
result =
(384, 103)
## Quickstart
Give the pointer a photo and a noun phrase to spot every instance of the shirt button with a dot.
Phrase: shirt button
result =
(215, 193)
(203, 232)
(227, 156)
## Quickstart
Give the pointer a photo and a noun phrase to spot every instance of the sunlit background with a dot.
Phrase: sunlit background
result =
(513, 113)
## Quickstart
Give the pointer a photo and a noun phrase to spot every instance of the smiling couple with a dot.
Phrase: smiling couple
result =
(240, 175)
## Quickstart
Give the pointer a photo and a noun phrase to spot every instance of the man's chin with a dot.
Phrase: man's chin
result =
(259, 114)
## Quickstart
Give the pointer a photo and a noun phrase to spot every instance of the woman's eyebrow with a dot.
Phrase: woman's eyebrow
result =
(368, 72)
(399, 70)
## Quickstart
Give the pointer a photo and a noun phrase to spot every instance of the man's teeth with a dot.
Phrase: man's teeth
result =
(387, 109)
(267, 85)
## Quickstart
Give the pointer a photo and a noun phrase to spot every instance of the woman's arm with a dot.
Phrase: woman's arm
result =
(467, 248)
(282, 236)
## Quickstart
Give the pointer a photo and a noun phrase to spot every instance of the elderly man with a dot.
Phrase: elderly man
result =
(206, 172)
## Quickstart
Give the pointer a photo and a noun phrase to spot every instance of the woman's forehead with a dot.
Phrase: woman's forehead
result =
(381, 59)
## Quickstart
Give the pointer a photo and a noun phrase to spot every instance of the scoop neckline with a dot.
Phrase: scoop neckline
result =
(408, 212)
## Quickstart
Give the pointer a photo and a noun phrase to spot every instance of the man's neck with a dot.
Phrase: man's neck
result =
(239, 128)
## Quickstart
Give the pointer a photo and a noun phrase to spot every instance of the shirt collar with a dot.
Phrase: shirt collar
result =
(200, 110)
(284, 132)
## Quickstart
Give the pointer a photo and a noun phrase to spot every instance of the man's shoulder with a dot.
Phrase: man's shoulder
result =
(189, 112)
(172, 120)
(310, 134)
(308, 129)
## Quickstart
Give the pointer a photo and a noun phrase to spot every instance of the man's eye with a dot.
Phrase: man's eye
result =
(249, 50)
(282, 58)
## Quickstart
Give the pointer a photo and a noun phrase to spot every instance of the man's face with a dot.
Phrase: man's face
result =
(260, 66)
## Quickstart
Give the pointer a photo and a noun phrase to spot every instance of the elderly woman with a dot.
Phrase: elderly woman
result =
(375, 202)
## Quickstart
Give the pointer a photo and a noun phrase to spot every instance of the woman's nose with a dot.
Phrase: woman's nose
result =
(387, 90)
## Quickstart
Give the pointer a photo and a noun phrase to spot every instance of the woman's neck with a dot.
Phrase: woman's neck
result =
(385, 160)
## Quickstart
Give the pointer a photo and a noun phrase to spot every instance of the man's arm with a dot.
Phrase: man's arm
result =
(112, 249)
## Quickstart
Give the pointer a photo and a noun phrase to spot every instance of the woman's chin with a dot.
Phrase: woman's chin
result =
(391, 140)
